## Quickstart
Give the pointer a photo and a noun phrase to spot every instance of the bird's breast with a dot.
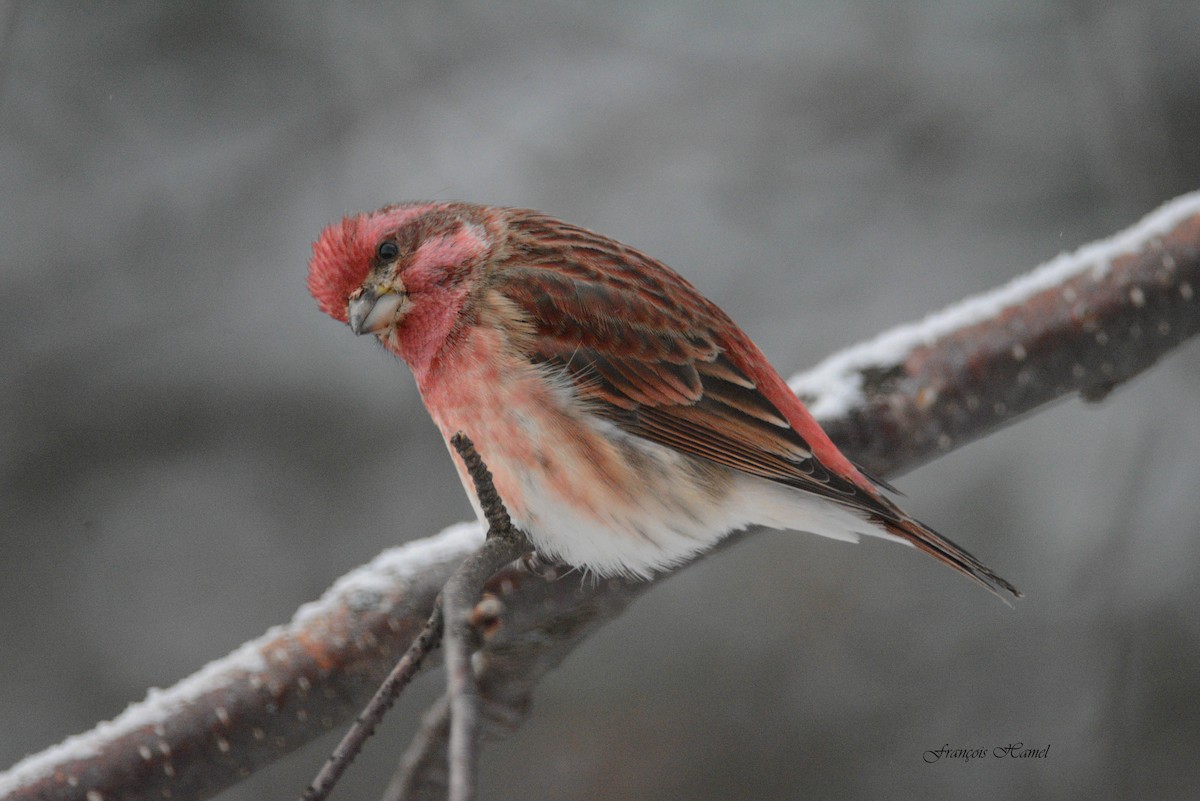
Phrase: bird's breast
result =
(582, 489)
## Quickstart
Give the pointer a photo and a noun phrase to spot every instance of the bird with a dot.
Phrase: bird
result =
(629, 424)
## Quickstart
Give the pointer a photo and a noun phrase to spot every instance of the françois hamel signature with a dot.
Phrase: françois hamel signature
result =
(1009, 751)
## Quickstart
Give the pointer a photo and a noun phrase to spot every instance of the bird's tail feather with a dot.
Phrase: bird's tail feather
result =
(945, 551)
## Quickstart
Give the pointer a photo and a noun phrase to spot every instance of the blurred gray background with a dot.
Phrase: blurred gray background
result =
(191, 449)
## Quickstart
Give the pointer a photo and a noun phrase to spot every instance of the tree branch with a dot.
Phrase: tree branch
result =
(1082, 323)
(383, 699)
(504, 544)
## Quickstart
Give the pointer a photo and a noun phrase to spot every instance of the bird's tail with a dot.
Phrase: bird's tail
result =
(945, 551)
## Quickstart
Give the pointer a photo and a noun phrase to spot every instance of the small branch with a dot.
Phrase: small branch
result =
(366, 723)
(461, 593)
(499, 523)
(504, 545)
(1110, 309)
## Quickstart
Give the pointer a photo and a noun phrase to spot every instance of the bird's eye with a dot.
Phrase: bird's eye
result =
(387, 250)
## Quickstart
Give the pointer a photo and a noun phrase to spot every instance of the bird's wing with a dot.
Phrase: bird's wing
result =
(647, 351)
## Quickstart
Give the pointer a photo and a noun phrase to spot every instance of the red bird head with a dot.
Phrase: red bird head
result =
(402, 272)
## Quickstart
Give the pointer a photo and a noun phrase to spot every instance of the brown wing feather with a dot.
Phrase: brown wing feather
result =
(639, 343)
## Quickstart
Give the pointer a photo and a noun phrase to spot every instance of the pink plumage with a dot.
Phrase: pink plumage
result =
(629, 424)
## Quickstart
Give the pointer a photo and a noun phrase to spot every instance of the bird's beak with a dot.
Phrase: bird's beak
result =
(373, 311)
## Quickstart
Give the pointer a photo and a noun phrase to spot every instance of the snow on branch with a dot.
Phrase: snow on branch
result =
(264, 700)
(1085, 322)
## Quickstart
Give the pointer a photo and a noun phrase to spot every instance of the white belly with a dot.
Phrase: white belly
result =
(680, 507)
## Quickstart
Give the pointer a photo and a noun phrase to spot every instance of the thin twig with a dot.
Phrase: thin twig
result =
(366, 723)
(504, 544)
